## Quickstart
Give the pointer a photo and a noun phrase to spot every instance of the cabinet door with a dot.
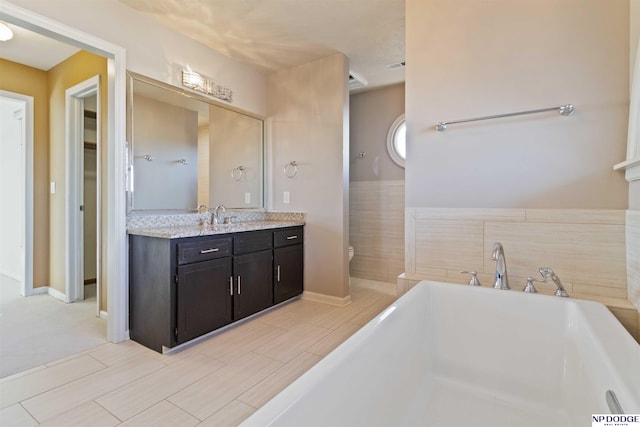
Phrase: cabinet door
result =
(203, 298)
(288, 273)
(254, 283)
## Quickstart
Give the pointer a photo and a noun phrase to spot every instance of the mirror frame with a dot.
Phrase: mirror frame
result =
(133, 76)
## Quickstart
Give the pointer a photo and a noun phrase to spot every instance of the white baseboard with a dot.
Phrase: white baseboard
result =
(104, 315)
(11, 276)
(49, 290)
(327, 299)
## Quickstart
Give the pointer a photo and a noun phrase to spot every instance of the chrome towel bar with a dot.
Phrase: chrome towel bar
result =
(565, 110)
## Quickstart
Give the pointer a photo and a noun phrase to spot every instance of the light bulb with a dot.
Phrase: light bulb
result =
(5, 32)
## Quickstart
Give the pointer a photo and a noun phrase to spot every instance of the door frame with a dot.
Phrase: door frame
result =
(116, 263)
(74, 184)
(26, 188)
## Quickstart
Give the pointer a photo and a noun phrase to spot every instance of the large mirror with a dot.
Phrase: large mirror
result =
(187, 150)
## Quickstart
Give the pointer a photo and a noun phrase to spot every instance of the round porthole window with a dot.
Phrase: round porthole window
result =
(397, 141)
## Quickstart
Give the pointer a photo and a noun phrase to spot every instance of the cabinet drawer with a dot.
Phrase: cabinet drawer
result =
(288, 236)
(252, 241)
(203, 250)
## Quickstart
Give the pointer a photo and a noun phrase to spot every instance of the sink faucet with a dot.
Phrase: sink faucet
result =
(497, 255)
(215, 219)
(548, 273)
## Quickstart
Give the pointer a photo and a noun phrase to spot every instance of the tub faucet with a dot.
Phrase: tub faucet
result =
(497, 255)
(215, 216)
(548, 273)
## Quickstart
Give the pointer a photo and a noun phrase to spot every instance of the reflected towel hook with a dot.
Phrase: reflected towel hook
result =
(237, 173)
(149, 157)
(291, 169)
(183, 161)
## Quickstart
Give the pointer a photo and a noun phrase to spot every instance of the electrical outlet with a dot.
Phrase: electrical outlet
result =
(286, 198)
(247, 198)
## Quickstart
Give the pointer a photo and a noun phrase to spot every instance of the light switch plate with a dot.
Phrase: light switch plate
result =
(286, 197)
(247, 198)
(52, 187)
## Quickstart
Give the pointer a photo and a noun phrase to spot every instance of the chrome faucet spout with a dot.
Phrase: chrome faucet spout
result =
(502, 279)
(215, 215)
(548, 273)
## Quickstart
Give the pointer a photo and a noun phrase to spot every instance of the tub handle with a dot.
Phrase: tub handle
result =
(473, 281)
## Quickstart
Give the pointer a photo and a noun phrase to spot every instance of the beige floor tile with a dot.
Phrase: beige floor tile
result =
(111, 354)
(372, 311)
(262, 392)
(236, 342)
(39, 381)
(229, 416)
(61, 399)
(216, 390)
(16, 416)
(290, 345)
(88, 414)
(144, 393)
(162, 414)
(23, 373)
(327, 344)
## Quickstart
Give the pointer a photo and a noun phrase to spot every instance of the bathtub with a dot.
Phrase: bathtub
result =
(452, 355)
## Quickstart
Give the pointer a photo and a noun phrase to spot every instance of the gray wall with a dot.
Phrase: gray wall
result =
(371, 115)
(475, 58)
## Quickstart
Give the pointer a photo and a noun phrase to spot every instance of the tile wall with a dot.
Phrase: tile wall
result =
(376, 229)
(586, 248)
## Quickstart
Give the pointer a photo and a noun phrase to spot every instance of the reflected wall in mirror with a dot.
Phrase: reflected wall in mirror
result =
(187, 150)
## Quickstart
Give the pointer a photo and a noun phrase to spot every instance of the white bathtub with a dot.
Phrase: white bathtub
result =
(448, 355)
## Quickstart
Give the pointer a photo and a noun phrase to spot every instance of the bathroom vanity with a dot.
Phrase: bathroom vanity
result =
(188, 281)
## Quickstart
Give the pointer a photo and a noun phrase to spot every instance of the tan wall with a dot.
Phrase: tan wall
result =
(236, 140)
(25, 80)
(376, 229)
(68, 73)
(308, 122)
(371, 114)
(167, 133)
(475, 58)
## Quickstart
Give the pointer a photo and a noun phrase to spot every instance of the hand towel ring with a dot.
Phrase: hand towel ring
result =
(291, 169)
(237, 173)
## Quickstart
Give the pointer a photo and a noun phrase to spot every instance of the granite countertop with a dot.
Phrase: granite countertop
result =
(176, 232)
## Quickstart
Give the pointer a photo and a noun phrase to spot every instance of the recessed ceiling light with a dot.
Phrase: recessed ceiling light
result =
(5, 32)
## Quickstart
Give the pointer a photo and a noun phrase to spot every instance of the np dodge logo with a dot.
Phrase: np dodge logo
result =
(615, 420)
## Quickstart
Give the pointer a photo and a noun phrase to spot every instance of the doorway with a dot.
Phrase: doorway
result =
(16, 190)
(83, 189)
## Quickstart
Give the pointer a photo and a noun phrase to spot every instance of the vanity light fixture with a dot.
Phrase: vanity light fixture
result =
(197, 82)
(6, 33)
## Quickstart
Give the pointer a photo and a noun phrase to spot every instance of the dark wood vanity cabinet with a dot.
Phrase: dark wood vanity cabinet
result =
(288, 260)
(180, 289)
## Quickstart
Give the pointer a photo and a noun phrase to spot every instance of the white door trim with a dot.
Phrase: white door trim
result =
(74, 182)
(27, 189)
(116, 253)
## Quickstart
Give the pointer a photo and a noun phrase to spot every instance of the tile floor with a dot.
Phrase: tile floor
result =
(219, 381)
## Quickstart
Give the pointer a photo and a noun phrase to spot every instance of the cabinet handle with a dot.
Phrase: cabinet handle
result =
(292, 237)
(238, 285)
(278, 273)
(231, 285)
(208, 251)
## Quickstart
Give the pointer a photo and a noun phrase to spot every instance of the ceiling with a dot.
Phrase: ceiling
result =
(34, 50)
(279, 34)
(268, 34)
